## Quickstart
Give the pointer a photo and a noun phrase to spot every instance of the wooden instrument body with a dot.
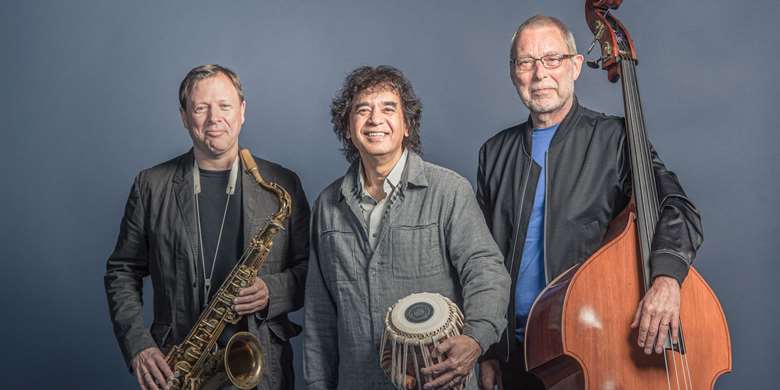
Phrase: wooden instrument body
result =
(578, 335)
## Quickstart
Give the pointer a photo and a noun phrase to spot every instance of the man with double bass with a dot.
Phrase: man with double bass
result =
(185, 226)
(549, 188)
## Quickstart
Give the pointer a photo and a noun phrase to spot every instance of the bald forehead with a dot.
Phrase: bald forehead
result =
(529, 36)
(542, 24)
(532, 35)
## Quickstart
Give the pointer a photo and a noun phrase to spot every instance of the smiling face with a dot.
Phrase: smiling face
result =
(376, 124)
(542, 90)
(214, 115)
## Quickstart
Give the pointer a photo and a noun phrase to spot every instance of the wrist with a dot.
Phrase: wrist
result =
(474, 342)
(665, 279)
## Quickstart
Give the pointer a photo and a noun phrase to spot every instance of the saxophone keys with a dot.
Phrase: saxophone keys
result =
(193, 353)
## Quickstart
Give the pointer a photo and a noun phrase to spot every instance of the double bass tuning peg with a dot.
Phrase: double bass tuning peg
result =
(592, 44)
(595, 64)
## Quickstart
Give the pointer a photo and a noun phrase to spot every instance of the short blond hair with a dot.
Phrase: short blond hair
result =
(203, 72)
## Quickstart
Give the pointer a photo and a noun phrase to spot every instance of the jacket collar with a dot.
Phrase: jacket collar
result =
(183, 171)
(567, 125)
(183, 189)
(413, 175)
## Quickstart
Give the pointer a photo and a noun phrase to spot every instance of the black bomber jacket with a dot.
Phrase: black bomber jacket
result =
(588, 184)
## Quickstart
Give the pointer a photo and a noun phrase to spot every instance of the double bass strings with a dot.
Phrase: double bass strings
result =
(649, 206)
(640, 176)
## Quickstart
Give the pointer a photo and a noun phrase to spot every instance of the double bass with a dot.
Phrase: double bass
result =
(578, 334)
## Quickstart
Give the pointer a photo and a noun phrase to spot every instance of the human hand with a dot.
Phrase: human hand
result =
(461, 354)
(151, 370)
(251, 299)
(658, 311)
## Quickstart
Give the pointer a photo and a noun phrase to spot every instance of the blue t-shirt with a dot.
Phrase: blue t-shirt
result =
(531, 279)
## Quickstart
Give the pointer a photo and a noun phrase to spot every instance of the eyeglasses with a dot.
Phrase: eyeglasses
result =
(549, 61)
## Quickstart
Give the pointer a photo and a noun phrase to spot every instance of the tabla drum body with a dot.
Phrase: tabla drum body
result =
(414, 326)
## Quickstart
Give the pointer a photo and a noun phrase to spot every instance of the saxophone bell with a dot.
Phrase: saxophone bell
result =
(243, 360)
(239, 363)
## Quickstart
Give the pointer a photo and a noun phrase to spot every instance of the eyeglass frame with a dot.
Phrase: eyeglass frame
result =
(516, 63)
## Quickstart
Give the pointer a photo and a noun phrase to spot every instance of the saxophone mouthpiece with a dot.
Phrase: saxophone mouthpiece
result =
(249, 161)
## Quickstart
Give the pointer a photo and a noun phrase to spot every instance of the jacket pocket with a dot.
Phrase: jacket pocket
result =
(337, 256)
(415, 251)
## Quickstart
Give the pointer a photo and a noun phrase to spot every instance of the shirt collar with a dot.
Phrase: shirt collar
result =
(413, 174)
(392, 180)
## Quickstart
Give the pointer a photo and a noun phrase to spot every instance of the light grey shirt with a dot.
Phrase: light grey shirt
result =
(433, 238)
(372, 209)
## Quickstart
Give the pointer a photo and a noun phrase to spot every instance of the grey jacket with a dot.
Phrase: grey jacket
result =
(433, 239)
(158, 238)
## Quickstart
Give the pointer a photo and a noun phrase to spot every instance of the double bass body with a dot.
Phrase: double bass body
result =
(578, 334)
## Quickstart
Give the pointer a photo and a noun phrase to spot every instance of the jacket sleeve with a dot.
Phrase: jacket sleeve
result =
(125, 270)
(480, 266)
(320, 334)
(483, 199)
(285, 289)
(678, 232)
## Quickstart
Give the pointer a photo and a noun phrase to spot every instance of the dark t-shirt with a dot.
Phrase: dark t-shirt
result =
(211, 202)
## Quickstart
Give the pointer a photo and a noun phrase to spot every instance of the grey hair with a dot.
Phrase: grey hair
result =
(545, 21)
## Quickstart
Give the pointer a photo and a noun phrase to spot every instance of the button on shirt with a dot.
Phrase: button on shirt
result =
(373, 210)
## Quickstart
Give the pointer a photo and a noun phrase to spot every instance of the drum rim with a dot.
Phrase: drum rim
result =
(452, 321)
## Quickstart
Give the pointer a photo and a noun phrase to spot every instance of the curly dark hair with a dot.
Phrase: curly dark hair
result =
(366, 78)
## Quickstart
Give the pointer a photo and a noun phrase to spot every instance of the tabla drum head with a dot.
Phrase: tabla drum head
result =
(420, 313)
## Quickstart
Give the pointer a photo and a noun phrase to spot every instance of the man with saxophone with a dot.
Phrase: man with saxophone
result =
(186, 224)
(549, 188)
(393, 225)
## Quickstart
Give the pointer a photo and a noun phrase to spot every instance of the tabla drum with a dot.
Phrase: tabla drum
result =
(414, 326)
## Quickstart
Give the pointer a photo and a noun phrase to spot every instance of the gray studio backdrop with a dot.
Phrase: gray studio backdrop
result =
(89, 98)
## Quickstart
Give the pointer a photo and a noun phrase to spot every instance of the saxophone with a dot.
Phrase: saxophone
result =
(196, 363)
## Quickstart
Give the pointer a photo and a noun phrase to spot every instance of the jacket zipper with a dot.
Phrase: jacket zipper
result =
(544, 221)
(514, 254)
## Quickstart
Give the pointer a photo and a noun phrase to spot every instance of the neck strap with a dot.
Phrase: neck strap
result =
(231, 187)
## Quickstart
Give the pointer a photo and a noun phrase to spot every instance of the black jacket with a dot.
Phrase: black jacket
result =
(587, 184)
(158, 238)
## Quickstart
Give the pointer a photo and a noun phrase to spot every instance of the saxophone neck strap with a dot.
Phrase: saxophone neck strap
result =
(229, 190)
(231, 187)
